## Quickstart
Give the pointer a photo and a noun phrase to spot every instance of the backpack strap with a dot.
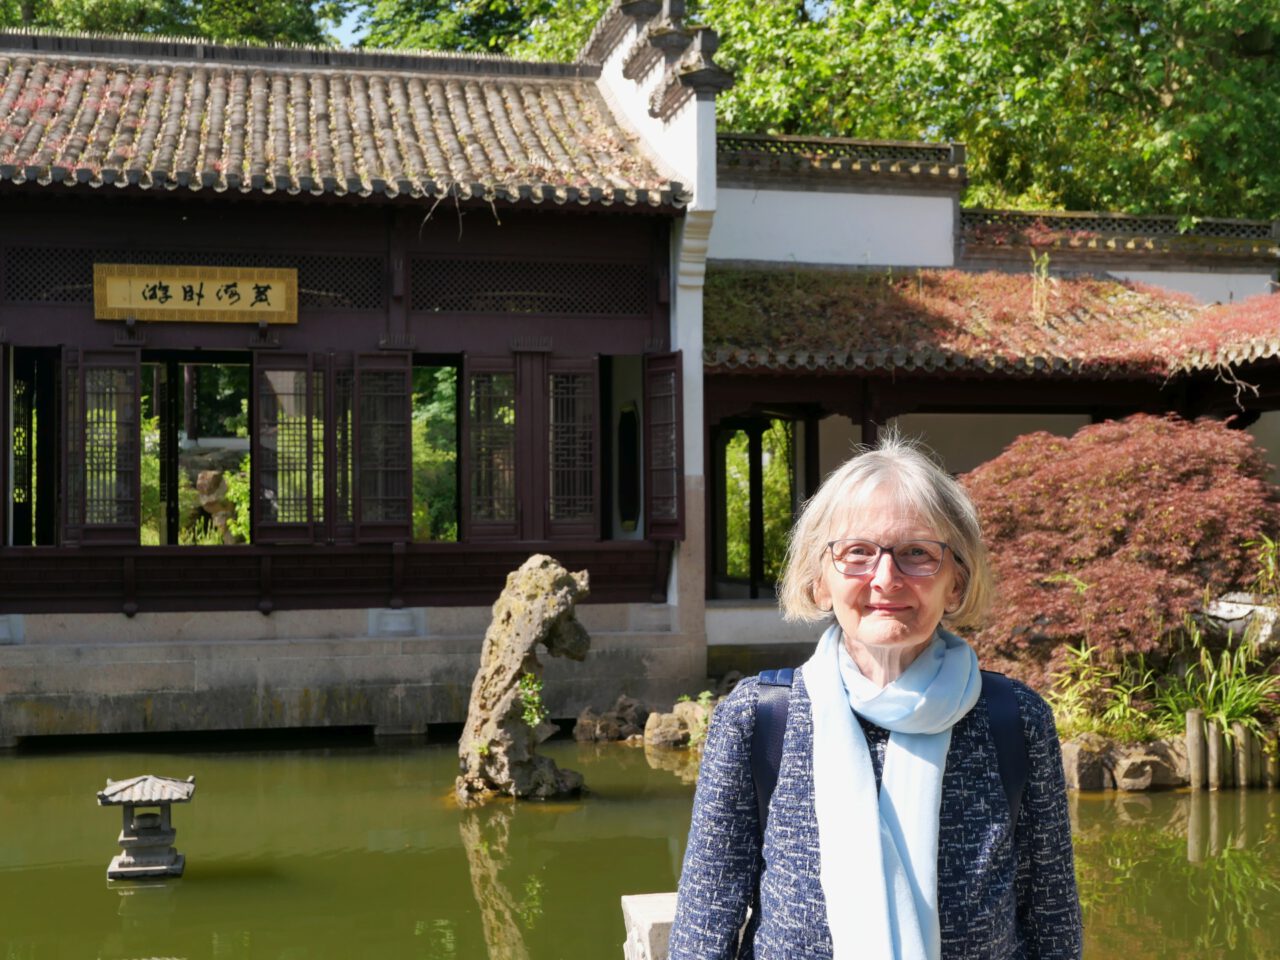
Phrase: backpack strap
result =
(771, 724)
(1006, 731)
(766, 740)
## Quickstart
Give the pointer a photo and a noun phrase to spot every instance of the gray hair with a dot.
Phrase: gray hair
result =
(900, 467)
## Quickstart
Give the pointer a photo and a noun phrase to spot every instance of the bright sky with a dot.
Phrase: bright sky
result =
(346, 32)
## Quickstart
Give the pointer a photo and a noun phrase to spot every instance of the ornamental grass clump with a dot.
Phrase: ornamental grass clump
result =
(1100, 539)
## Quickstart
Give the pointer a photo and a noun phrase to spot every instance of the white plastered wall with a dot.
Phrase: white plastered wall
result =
(684, 146)
(1215, 287)
(1266, 430)
(963, 441)
(838, 228)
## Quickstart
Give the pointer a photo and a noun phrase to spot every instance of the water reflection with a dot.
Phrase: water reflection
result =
(1179, 875)
(485, 836)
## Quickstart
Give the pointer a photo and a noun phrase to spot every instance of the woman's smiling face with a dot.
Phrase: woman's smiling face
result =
(884, 608)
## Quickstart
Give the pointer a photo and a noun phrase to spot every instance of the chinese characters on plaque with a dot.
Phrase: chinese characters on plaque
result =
(195, 294)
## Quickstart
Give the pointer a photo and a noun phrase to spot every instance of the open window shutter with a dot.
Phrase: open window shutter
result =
(663, 447)
(288, 448)
(340, 416)
(105, 429)
(573, 445)
(6, 395)
(383, 483)
(490, 501)
(72, 430)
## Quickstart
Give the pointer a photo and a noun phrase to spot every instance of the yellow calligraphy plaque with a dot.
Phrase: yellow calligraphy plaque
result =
(195, 294)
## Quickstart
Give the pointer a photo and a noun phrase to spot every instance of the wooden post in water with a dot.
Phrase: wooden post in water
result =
(1272, 762)
(1195, 749)
(1213, 737)
(1228, 758)
(1242, 736)
(1195, 826)
(1215, 824)
(1255, 760)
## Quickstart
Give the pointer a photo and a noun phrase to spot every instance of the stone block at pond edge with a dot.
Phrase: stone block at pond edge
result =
(648, 917)
(1084, 762)
(1092, 762)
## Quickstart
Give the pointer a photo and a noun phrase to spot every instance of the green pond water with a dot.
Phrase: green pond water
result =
(356, 851)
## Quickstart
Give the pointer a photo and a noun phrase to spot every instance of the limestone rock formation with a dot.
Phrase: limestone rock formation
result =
(685, 725)
(506, 720)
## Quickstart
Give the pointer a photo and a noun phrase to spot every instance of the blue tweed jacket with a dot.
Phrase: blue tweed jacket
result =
(1005, 892)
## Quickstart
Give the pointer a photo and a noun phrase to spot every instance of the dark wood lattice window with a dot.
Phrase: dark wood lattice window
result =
(289, 462)
(531, 287)
(23, 491)
(383, 468)
(573, 454)
(102, 463)
(342, 432)
(663, 447)
(65, 275)
(489, 444)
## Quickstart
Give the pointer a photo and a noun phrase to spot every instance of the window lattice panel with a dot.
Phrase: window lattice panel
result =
(110, 446)
(291, 448)
(22, 442)
(1108, 225)
(663, 436)
(572, 447)
(384, 452)
(493, 446)
(509, 286)
(59, 275)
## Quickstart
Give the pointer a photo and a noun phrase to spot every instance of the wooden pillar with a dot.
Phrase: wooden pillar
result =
(1195, 749)
(1271, 772)
(812, 462)
(190, 392)
(755, 462)
(870, 414)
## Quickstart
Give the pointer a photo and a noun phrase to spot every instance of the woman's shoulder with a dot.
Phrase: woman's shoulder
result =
(738, 708)
(1037, 715)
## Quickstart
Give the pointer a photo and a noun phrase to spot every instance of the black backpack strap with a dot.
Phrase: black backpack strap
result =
(774, 692)
(1006, 731)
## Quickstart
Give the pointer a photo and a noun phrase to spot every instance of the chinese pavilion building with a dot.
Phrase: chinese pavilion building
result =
(341, 338)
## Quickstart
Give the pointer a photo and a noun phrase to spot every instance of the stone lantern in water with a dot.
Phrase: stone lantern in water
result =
(146, 839)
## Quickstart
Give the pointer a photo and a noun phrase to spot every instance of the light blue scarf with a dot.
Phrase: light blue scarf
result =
(879, 856)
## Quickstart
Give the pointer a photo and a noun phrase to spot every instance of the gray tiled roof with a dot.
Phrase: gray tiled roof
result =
(758, 160)
(150, 114)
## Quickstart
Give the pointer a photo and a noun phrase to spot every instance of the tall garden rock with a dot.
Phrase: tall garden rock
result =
(506, 720)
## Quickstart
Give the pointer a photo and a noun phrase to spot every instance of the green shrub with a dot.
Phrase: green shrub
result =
(534, 711)
(1231, 686)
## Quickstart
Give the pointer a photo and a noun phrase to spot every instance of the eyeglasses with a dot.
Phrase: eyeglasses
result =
(913, 558)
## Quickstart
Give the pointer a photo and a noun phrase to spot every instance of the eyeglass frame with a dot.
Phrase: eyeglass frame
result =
(882, 549)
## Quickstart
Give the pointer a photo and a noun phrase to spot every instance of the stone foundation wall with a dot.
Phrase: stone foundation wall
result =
(395, 670)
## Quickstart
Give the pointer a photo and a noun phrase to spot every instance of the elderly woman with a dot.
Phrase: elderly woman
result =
(889, 833)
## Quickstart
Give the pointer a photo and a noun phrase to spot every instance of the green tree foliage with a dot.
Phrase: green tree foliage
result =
(1152, 106)
(435, 453)
(778, 478)
(242, 21)
(493, 26)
